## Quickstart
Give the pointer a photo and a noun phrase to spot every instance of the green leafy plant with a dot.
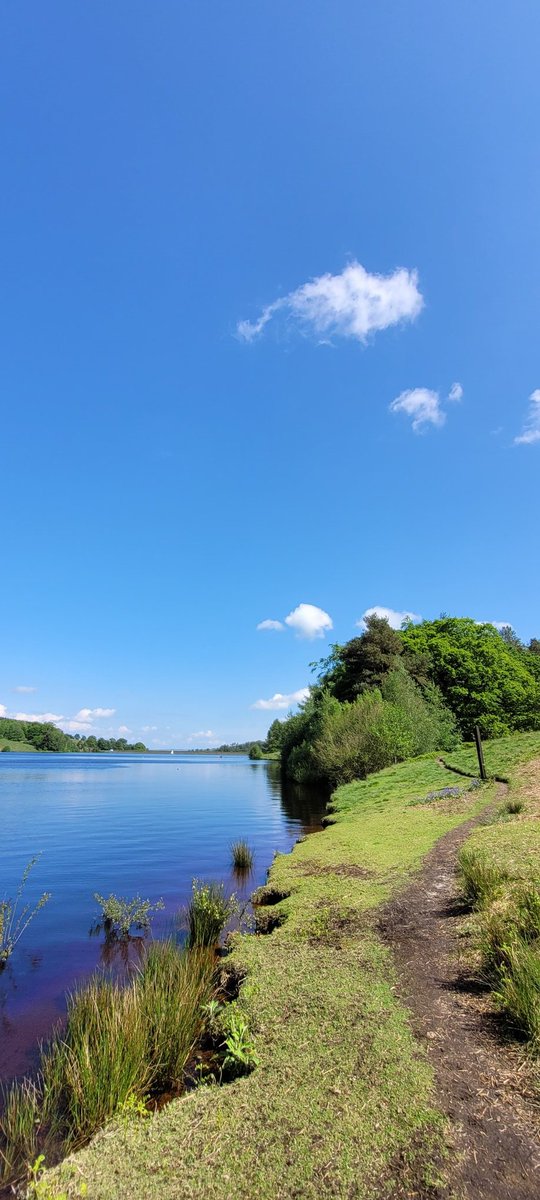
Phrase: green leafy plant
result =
(40, 1189)
(240, 1056)
(120, 915)
(133, 1107)
(208, 912)
(14, 919)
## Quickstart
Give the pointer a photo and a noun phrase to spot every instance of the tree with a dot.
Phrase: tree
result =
(364, 661)
(482, 678)
(534, 646)
(274, 737)
(255, 750)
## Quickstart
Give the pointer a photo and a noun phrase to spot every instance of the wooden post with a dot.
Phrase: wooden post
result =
(480, 753)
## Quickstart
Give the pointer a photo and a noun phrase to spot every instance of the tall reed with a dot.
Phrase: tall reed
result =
(119, 1041)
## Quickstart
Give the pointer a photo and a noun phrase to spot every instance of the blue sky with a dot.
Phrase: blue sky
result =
(182, 457)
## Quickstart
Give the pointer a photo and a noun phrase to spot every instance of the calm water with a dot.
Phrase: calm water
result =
(127, 825)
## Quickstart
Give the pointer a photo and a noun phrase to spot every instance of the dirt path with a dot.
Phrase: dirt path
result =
(495, 1128)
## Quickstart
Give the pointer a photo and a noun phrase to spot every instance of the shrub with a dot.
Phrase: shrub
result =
(208, 913)
(255, 751)
(14, 921)
(119, 914)
(242, 856)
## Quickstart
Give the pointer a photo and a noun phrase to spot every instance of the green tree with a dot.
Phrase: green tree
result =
(255, 750)
(274, 737)
(482, 678)
(364, 661)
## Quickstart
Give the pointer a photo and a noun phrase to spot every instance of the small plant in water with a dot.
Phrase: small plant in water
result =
(208, 912)
(242, 855)
(13, 919)
(119, 914)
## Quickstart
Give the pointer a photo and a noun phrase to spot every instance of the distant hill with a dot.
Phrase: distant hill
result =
(43, 735)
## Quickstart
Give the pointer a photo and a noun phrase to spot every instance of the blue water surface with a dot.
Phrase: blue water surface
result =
(126, 824)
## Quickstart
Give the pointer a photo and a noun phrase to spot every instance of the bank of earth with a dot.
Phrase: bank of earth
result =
(348, 1099)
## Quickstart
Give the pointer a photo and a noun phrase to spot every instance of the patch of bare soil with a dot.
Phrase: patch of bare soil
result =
(482, 1088)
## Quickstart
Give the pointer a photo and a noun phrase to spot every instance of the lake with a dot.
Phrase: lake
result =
(131, 825)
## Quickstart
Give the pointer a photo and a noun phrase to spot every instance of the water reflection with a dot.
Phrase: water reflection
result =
(148, 828)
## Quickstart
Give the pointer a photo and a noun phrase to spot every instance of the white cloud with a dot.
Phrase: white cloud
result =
(24, 689)
(124, 729)
(202, 733)
(74, 726)
(308, 621)
(422, 405)
(149, 728)
(500, 624)
(352, 304)
(90, 714)
(280, 701)
(3, 710)
(269, 624)
(531, 427)
(20, 716)
(395, 619)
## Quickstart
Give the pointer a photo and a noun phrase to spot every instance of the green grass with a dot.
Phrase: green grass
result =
(121, 1042)
(500, 866)
(501, 756)
(10, 744)
(242, 855)
(341, 1102)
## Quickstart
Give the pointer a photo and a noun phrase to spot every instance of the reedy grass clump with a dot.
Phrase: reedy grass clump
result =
(242, 855)
(120, 1041)
(208, 912)
(518, 991)
(481, 879)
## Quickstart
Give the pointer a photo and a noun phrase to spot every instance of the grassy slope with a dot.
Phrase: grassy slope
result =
(501, 756)
(11, 745)
(341, 1103)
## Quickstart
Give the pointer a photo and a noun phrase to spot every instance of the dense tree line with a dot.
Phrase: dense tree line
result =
(43, 735)
(389, 694)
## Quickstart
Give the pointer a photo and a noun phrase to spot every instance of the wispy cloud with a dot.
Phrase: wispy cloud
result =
(531, 427)
(149, 728)
(308, 621)
(124, 729)
(269, 624)
(424, 406)
(395, 618)
(280, 701)
(456, 393)
(352, 304)
(46, 717)
(24, 689)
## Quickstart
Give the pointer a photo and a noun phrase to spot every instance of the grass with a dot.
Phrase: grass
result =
(208, 912)
(500, 866)
(341, 1102)
(11, 744)
(242, 856)
(120, 1042)
(502, 755)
